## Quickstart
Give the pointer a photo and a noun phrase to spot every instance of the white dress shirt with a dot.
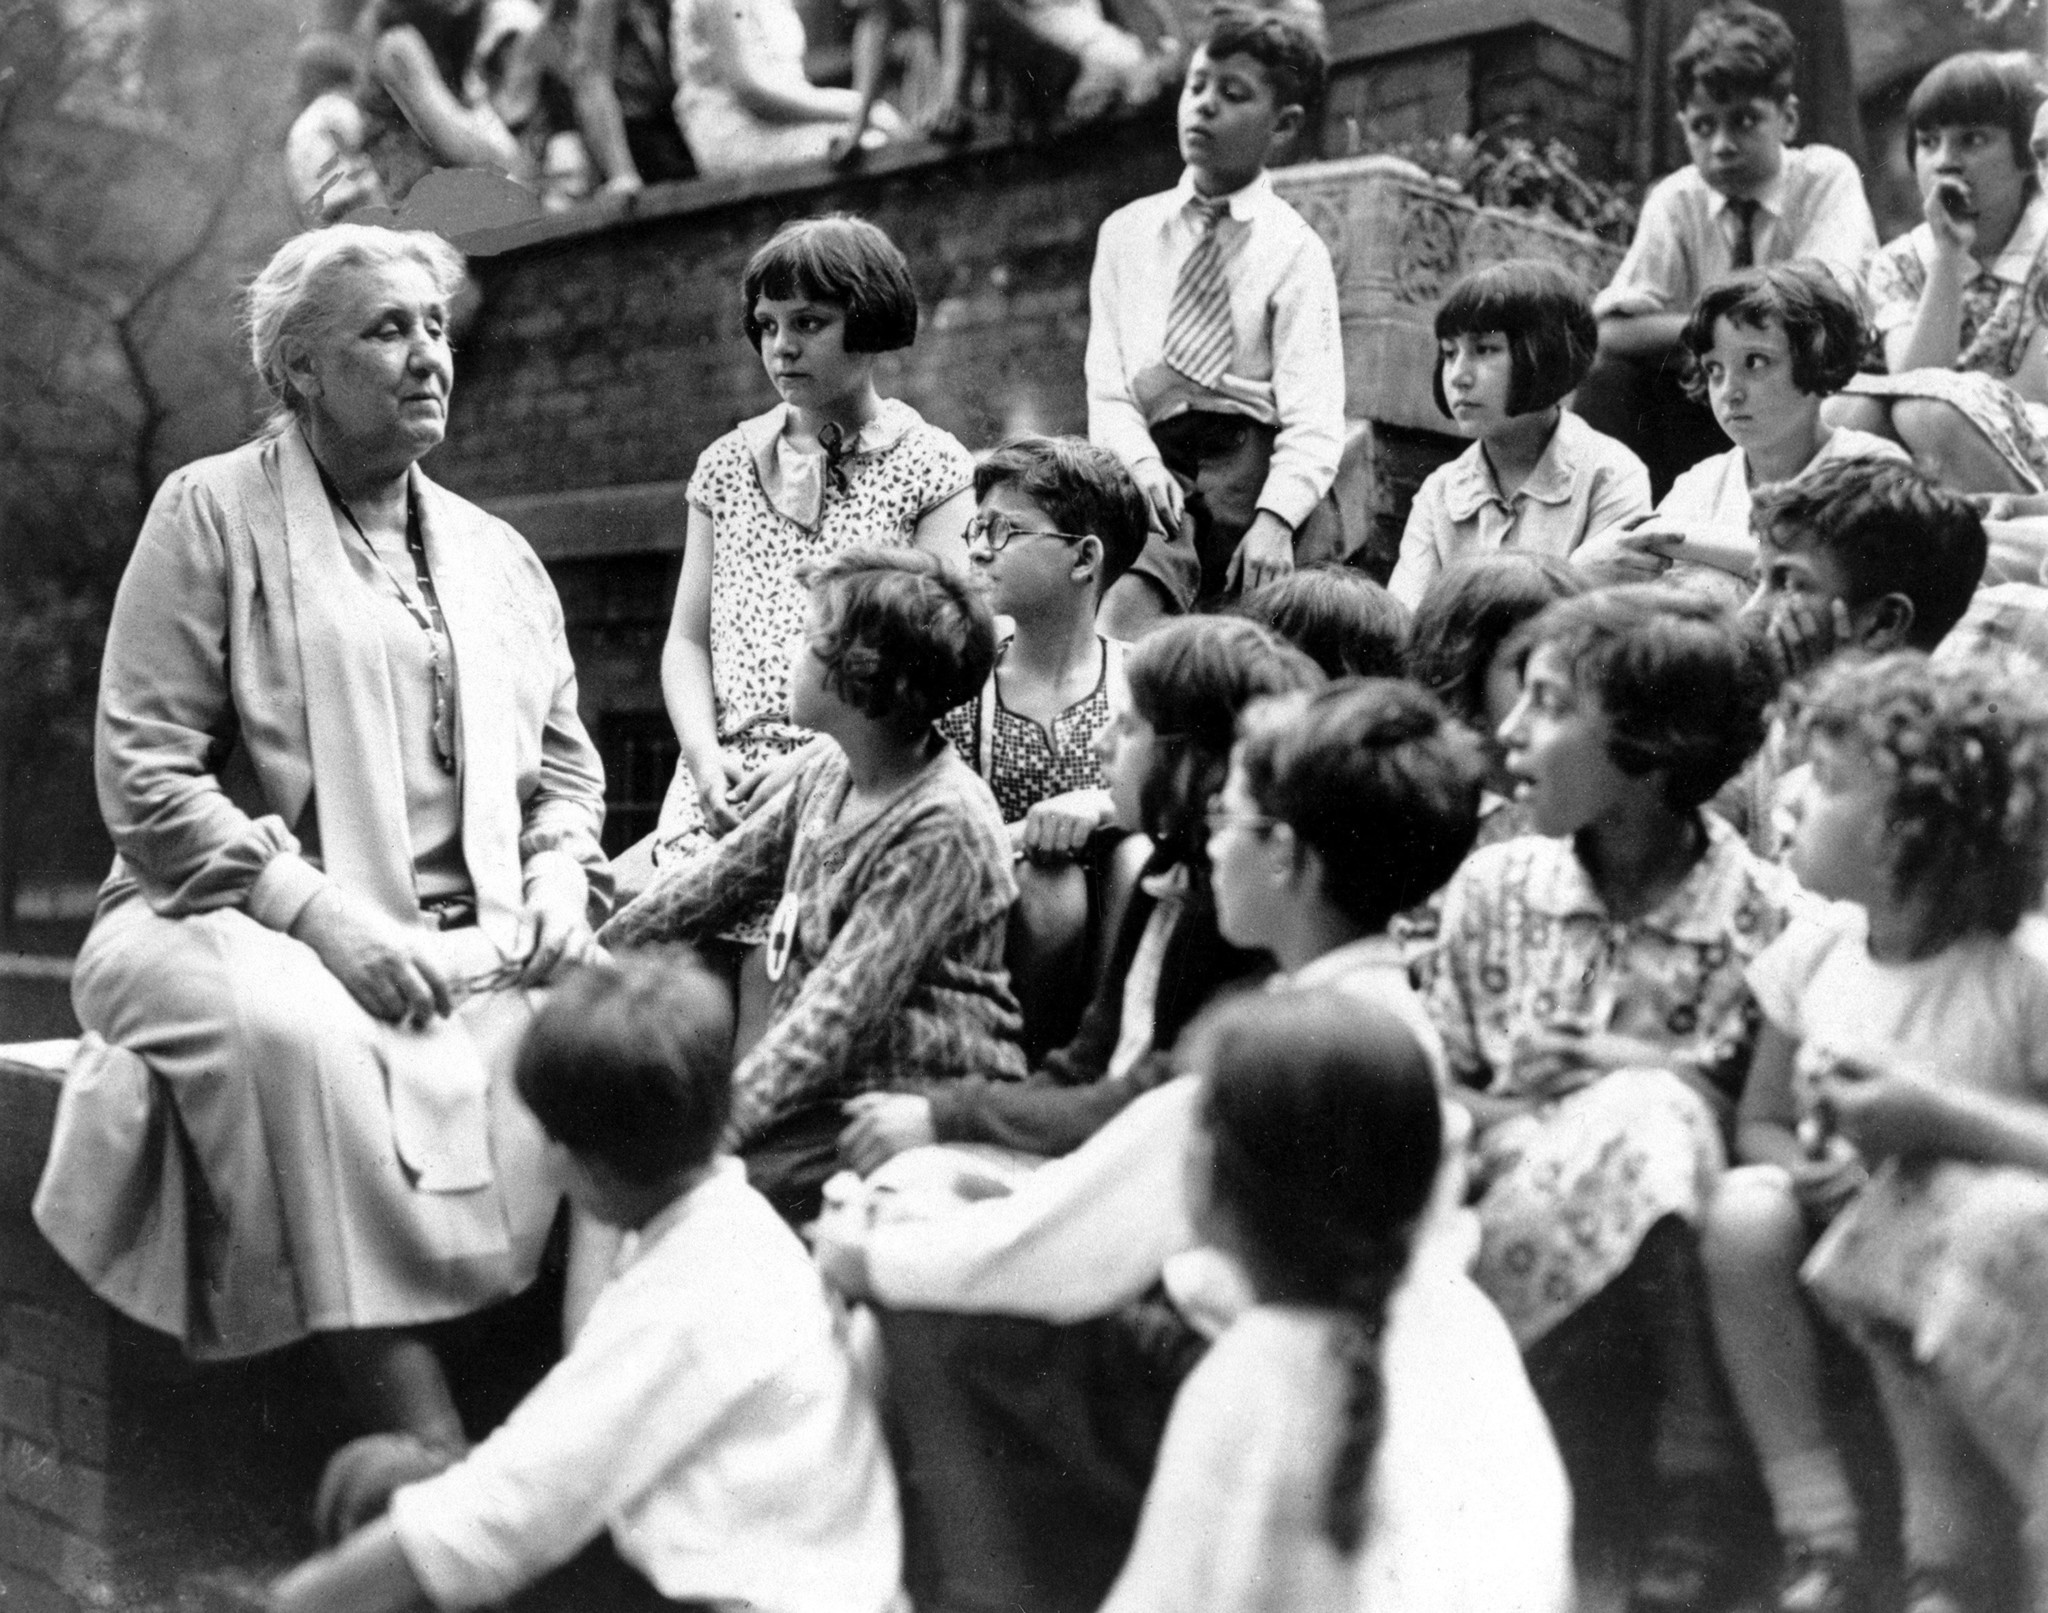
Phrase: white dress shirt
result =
(1685, 239)
(1288, 365)
(707, 1413)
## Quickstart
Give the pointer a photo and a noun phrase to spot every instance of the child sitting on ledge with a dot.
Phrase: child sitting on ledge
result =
(706, 1414)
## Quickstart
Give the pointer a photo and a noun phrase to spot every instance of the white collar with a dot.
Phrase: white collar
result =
(1242, 204)
(1771, 199)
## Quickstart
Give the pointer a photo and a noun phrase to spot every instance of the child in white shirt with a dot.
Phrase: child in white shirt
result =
(1364, 1435)
(1215, 364)
(706, 1414)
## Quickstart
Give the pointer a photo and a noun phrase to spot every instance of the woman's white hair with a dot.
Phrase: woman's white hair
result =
(299, 293)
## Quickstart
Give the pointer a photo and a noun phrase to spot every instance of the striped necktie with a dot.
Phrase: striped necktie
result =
(1743, 254)
(1199, 342)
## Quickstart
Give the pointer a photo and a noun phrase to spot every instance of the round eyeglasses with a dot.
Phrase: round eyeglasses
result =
(998, 532)
(1219, 818)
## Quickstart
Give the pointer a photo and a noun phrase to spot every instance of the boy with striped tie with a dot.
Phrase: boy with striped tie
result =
(1215, 366)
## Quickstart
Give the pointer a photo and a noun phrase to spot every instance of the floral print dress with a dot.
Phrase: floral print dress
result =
(1567, 1191)
(2002, 313)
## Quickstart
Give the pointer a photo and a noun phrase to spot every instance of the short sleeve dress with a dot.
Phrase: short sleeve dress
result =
(772, 508)
(2002, 313)
(1567, 1192)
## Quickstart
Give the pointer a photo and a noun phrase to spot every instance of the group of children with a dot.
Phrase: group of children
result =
(1206, 1056)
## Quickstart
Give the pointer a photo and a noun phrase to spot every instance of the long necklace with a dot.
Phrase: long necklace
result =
(427, 618)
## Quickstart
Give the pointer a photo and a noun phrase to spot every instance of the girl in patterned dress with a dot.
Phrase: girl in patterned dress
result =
(1907, 1032)
(1957, 302)
(1590, 992)
(833, 465)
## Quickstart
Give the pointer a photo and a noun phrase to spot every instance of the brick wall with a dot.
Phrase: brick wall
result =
(1555, 88)
(615, 360)
(1416, 95)
(56, 1431)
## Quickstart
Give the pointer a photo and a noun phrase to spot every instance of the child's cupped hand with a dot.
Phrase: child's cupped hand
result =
(1881, 1111)
(1058, 828)
(882, 1125)
(1560, 1059)
(1264, 554)
(1163, 492)
(1824, 1184)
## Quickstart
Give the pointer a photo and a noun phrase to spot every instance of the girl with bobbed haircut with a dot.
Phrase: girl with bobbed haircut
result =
(1189, 680)
(1375, 777)
(1513, 340)
(1956, 300)
(1351, 1432)
(1546, 314)
(837, 259)
(905, 638)
(1823, 326)
(298, 294)
(833, 466)
(1683, 687)
(2000, 89)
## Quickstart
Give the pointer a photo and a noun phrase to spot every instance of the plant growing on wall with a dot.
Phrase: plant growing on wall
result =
(1498, 169)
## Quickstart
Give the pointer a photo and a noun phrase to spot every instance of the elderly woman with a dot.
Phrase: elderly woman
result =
(339, 756)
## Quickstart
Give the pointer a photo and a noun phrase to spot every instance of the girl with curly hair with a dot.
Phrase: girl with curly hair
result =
(1588, 984)
(1764, 349)
(1896, 1112)
(886, 866)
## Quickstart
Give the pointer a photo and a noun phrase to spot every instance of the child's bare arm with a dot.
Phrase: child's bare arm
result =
(366, 1573)
(1898, 1111)
(1643, 335)
(1767, 1118)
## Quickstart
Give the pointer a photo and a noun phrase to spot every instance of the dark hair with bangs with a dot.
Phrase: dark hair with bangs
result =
(1683, 686)
(1542, 309)
(1735, 51)
(837, 259)
(1190, 680)
(905, 638)
(1964, 749)
(1470, 609)
(1889, 529)
(1378, 779)
(1082, 488)
(2001, 88)
(1279, 41)
(1822, 324)
(1337, 616)
(630, 1063)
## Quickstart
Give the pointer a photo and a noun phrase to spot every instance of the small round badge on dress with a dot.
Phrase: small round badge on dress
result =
(781, 935)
